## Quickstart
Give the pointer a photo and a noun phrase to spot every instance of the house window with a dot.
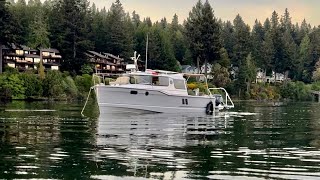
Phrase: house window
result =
(45, 53)
(19, 52)
(36, 60)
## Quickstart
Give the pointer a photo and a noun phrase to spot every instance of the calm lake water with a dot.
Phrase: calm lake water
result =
(44, 140)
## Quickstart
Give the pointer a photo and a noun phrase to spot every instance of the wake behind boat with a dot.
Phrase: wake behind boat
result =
(157, 91)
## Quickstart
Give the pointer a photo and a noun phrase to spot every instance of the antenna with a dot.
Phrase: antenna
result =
(135, 60)
(146, 65)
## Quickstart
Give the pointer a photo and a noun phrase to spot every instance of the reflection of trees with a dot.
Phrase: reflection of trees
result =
(64, 145)
(29, 140)
(315, 125)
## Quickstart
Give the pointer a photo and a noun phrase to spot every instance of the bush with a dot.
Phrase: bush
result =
(70, 88)
(11, 86)
(53, 85)
(83, 84)
(296, 91)
(32, 84)
(264, 92)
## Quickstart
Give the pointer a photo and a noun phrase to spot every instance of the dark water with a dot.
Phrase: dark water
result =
(254, 141)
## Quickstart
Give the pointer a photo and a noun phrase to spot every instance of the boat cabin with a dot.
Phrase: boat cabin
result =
(170, 83)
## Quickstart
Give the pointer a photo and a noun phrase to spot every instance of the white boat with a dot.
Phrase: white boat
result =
(157, 91)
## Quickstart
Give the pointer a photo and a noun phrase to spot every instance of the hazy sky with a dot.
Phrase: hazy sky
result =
(224, 9)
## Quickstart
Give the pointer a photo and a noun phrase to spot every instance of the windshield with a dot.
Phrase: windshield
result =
(151, 80)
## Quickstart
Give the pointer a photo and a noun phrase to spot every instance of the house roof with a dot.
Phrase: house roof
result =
(32, 55)
(112, 56)
(50, 50)
(98, 54)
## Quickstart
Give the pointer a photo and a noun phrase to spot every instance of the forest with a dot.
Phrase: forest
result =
(74, 26)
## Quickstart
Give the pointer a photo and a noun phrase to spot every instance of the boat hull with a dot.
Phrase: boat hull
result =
(115, 99)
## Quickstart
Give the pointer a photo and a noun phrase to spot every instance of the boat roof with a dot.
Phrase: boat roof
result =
(157, 73)
(193, 75)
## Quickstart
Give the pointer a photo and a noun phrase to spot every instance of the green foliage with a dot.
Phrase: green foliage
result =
(69, 25)
(203, 34)
(32, 84)
(70, 87)
(41, 70)
(10, 70)
(11, 86)
(161, 55)
(262, 91)
(87, 69)
(296, 91)
(56, 85)
(53, 85)
(83, 84)
(221, 75)
(246, 76)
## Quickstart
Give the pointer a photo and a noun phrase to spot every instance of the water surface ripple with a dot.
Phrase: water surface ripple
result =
(42, 140)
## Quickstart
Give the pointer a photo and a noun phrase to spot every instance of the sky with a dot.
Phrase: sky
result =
(224, 9)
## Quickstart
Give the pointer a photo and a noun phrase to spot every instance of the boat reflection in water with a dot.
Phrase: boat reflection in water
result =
(146, 142)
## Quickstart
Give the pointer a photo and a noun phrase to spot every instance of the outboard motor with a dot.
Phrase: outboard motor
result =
(209, 108)
(219, 99)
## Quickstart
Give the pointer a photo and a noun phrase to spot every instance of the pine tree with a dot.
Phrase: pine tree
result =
(203, 33)
(8, 28)
(161, 55)
(241, 48)
(257, 37)
(227, 36)
(70, 30)
(38, 28)
(267, 53)
(177, 39)
(120, 37)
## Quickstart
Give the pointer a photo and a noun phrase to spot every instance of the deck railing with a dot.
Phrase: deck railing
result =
(228, 103)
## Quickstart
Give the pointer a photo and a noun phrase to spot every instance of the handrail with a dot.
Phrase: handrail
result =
(226, 99)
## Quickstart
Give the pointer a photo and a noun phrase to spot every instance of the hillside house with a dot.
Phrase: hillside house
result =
(23, 58)
(106, 62)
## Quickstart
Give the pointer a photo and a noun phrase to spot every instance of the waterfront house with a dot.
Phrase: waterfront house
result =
(194, 70)
(23, 58)
(106, 62)
(275, 77)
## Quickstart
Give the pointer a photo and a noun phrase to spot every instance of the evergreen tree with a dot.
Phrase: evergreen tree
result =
(241, 48)
(224, 60)
(120, 39)
(38, 28)
(69, 30)
(161, 55)
(247, 75)
(304, 61)
(7, 30)
(136, 19)
(177, 39)
(20, 13)
(267, 53)
(257, 43)
(203, 33)
(278, 62)
(227, 36)
(267, 25)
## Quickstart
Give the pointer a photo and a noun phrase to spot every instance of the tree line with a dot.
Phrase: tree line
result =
(75, 26)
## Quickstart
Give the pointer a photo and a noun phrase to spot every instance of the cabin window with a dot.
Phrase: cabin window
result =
(140, 79)
(160, 81)
(179, 84)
